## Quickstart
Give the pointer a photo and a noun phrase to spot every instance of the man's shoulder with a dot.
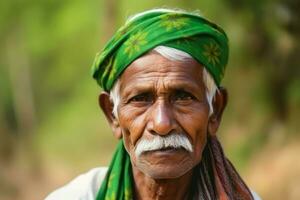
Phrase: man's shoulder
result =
(84, 186)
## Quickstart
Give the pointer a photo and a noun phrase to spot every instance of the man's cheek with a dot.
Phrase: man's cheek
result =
(195, 130)
(137, 128)
(127, 142)
(129, 137)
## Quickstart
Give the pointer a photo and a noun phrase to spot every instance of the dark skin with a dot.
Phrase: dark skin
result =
(160, 96)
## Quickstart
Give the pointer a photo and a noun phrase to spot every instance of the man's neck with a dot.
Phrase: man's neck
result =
(147, 188)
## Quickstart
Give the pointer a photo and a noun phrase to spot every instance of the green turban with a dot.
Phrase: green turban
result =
(204, 41)
(191, 33)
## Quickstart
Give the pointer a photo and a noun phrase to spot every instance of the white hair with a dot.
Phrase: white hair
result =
(174, 55)
(158, 142)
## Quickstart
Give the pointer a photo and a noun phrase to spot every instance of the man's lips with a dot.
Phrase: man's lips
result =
(167, 150)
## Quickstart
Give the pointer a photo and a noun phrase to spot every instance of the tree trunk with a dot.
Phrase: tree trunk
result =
(109, 19)
(22, 94)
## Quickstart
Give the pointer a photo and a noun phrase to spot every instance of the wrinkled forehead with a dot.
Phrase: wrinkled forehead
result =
(152, 68)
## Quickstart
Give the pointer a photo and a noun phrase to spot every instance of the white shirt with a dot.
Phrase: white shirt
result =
(83, 187)
(86, 186)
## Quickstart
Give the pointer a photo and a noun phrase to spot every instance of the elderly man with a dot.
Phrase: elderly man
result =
(161, 75)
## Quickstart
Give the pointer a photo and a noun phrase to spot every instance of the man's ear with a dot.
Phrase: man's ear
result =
(219, 103)
(107, 107)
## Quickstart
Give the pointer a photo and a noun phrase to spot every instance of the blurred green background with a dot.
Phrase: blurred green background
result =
(51, 128)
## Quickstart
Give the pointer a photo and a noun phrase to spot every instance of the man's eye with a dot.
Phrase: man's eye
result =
(182, 96)
(145, 97)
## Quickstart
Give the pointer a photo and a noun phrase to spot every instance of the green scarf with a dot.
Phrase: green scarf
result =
(117, 184)
(203, 40)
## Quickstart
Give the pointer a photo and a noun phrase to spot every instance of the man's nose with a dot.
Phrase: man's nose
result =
(162, 120)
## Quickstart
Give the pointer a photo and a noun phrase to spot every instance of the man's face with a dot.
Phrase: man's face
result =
(161, 97)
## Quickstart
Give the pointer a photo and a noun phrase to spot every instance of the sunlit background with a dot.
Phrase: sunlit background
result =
(51, 128)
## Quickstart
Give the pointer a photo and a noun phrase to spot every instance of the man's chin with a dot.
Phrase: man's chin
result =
(165, 171)
(165, 164)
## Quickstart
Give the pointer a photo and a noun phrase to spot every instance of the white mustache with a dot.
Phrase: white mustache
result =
(173, 140)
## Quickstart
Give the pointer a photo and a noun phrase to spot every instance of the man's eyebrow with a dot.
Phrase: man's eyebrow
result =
(185, 86)
(140, 88)
(181, 85)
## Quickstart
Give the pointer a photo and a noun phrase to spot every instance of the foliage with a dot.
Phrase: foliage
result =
(47, 94)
